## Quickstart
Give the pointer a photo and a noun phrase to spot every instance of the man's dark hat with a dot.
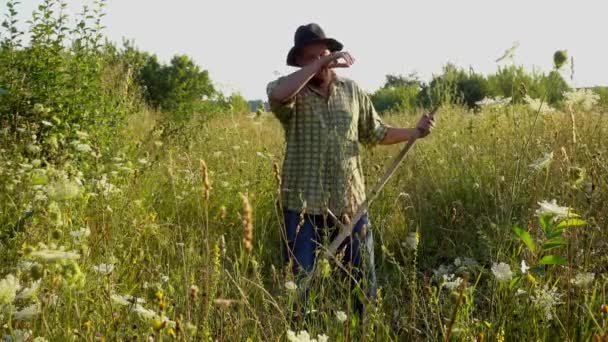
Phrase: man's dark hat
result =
(308, 34)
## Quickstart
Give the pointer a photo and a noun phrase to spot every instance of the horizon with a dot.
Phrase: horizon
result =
(252, 46)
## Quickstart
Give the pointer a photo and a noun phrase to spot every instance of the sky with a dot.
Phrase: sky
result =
(243, 43)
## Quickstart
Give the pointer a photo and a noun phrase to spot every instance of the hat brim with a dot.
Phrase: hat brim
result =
(332, 44)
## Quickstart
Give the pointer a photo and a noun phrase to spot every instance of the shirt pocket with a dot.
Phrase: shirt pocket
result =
(344, 118)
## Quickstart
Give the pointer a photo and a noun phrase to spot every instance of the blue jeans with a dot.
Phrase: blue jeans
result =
(303, 241)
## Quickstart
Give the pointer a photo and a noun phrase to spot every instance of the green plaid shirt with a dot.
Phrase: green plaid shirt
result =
(322, 167)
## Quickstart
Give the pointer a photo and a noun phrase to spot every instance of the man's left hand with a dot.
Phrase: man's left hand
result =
(425, 125)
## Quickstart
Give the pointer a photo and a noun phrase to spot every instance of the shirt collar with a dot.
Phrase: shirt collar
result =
(335, 79)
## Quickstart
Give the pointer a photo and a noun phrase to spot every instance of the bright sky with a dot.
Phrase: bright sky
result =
(244, 43)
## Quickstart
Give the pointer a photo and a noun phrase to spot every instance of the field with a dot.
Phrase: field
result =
(139, 203)
(166, 227)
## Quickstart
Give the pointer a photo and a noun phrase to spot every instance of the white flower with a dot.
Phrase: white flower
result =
(341, 316)
(63, 189)
(441, 271)
(412, 240)
(104, 268)
(502, 271)
(27, 312)
(126, 300)
(524, 267)
(83, 148)
(546, 299)
(18, 336)
(551, 208)
(583, 98)
(291, 286)
(46, 123)
(450, 283)
(80, 233)
(538, 105)
(583, 279)
(8, 289)
(30, 292)
(40, 339)
(32, 148)
(52, 255)
(82, 135)
(164, 278)
(542, 162)
(142, 161)
(498, 101)
(143, 312)
(304, 336)
(520, 292)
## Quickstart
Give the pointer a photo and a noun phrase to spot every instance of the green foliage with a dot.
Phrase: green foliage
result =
(457, 86)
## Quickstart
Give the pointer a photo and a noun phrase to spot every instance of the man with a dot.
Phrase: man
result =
(325, 117)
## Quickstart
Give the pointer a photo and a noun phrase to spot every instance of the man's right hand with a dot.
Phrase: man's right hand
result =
(341, 59)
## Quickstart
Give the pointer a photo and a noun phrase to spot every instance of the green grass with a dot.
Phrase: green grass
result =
(463, 189)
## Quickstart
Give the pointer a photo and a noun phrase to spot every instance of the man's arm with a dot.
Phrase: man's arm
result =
(294, 82)
(396, 135)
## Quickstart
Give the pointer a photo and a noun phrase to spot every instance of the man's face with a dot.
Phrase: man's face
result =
(309, 54)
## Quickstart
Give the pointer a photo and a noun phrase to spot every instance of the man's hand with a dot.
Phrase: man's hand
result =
(425, 125)
(341, 59)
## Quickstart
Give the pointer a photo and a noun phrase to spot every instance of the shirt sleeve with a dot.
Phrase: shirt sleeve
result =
(282, 110)
(371, 128)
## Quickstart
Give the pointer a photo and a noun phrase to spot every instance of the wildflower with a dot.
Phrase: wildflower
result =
(27, 312)
(126, 300)
(441, 271)
(247, 224)
(583, 279)
(542, 162)
(104, 268)
(585, 99)
(80, 233)
(524, 267)
(304, 336)
(546, 299)
(53, 255)
(8, 289)
(63, 189)
(412, 240)
(498, 101)
(193, 291)
(29, 292)
(538, 105)
(604, 308)
(143, 312)
(450, 283)
(46, 123)
(502, 271)
(32, 148)
(291, 286)
(552, 209)
(40, 339)
(341, 316)
(83, 148)
(164, 278)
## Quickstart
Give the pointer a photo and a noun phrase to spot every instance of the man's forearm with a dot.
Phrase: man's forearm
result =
(294, 82)
(396, 135)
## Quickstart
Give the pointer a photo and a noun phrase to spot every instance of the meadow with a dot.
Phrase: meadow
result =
(122, 221)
